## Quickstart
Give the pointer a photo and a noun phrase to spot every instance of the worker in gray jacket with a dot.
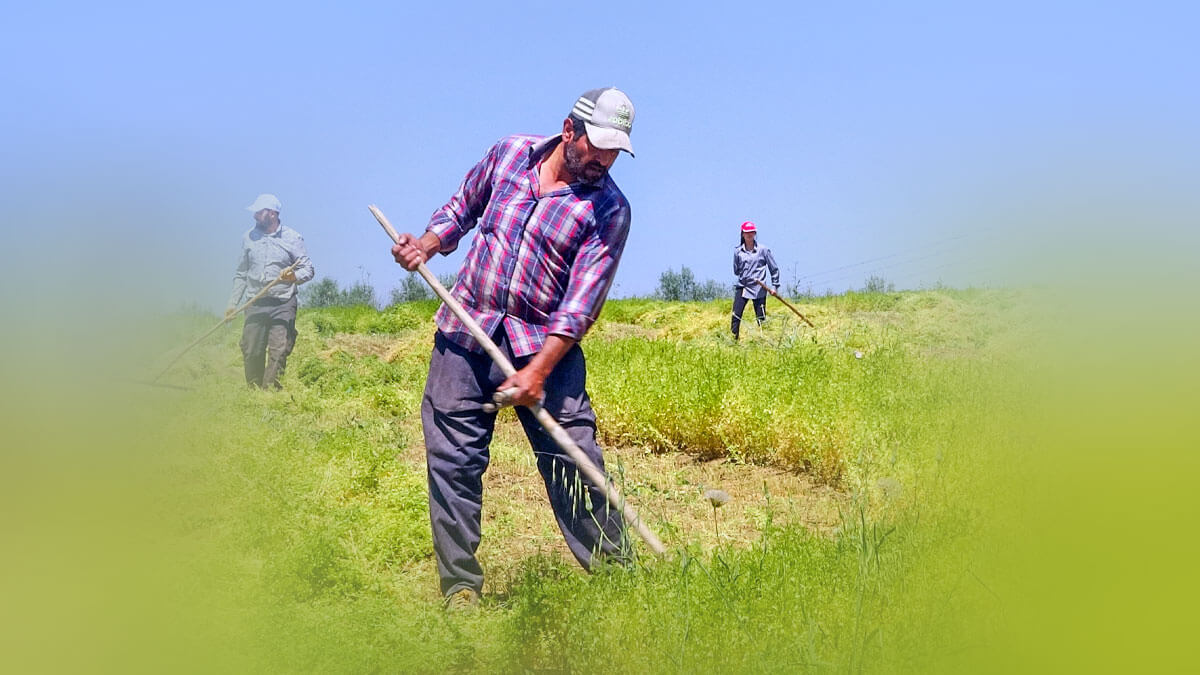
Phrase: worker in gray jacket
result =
(268, 249)
(751, 263)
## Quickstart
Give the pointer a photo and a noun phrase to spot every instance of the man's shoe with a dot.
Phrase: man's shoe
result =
(464, 599)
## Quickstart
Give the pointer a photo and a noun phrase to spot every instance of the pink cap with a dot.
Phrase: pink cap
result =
(749, 227)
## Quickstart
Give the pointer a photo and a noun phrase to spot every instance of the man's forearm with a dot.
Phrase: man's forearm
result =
(430, 244)
(528, 381)
(552, 351)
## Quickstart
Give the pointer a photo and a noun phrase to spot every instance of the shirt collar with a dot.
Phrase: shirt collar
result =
(542, 148)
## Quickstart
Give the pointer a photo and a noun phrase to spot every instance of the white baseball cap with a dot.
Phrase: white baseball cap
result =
(265, 201)
(608, 116)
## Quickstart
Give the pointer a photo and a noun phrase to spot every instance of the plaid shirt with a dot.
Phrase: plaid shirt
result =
(540, 264)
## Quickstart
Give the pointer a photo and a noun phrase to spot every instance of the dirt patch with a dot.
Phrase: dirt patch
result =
(667, 489)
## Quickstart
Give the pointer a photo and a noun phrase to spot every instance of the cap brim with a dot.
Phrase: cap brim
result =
(608, 139)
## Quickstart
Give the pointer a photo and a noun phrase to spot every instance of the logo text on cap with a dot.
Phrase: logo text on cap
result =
(620, 118)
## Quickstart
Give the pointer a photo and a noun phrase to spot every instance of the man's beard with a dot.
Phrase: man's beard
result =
(591, 172)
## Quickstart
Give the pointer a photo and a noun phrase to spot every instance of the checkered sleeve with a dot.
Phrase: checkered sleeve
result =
(458, 216)
(592, 275)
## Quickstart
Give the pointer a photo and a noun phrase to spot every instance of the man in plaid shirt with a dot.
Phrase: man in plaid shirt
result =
(551, 228)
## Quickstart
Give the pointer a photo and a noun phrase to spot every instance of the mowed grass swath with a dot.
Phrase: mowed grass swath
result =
(290, 529)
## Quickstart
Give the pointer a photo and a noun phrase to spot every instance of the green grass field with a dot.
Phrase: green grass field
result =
(873, 461)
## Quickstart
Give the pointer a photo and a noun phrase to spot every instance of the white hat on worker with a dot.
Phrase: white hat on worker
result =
(608, 116)
(265, 201)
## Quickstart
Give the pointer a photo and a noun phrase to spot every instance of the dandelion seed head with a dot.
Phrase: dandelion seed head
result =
(717, 498)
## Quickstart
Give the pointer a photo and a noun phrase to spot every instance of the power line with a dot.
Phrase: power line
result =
(939, 248)
(816, 276)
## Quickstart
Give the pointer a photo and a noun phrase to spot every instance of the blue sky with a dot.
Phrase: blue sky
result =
(921, 142)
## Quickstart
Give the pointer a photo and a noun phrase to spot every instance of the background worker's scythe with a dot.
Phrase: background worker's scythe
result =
(228, 317)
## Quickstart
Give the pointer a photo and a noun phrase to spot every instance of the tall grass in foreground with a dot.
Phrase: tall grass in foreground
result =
(288, 531)
(307, 551)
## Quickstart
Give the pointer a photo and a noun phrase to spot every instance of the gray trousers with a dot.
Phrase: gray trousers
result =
(267, 339)
(457, 436)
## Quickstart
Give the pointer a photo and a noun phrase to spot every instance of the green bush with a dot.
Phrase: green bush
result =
(682, 286)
